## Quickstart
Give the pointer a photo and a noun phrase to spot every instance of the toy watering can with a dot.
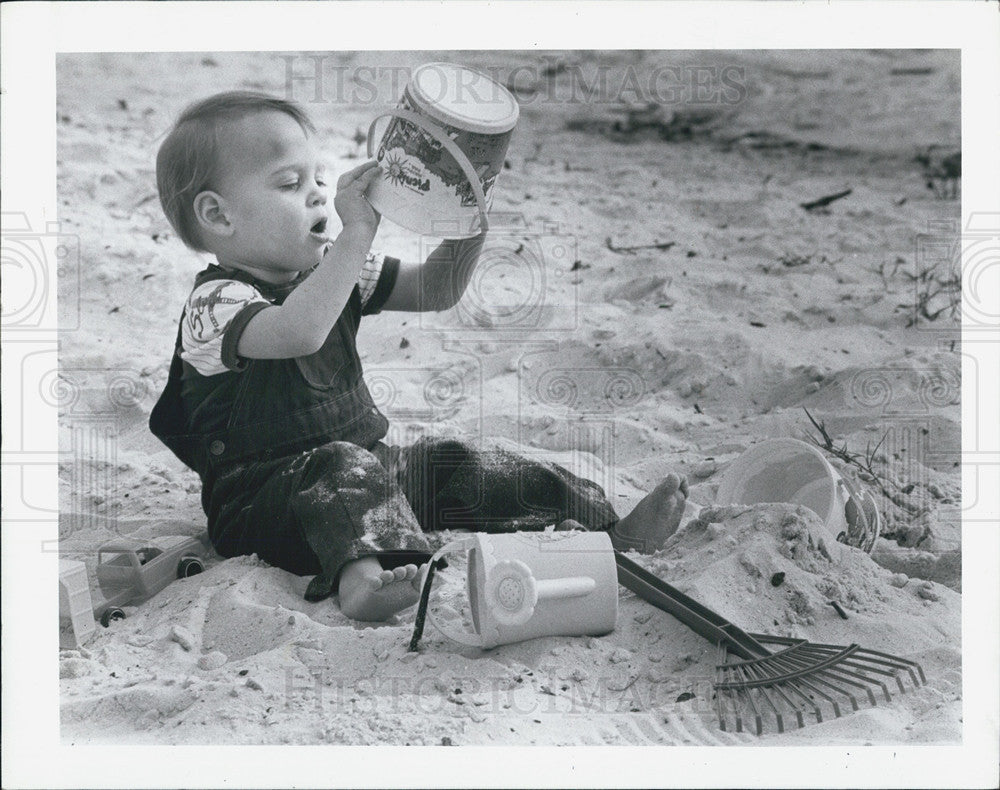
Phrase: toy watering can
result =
(530, 584)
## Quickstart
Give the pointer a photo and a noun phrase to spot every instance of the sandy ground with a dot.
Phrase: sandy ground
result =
(621, 364)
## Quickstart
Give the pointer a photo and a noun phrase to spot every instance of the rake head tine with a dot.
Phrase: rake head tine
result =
(909, 666)
(833, 702)
(850, 696)
(885, 688)
(817, 711)
(764, 693)
(801, 702)
(826, 678)
(876, 661)
(721, 696)
(774, 709)
(799, 708)
(732, 690)
(795, 701)
(864, 685)
(873, 681)
(803, 677)
(758, 719)
(861, 681)
(777, 713)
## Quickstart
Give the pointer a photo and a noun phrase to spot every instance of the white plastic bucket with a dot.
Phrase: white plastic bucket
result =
(442, 151)
(530, 584)
(789, 470)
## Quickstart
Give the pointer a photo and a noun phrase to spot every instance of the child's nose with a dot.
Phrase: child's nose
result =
(318, 196)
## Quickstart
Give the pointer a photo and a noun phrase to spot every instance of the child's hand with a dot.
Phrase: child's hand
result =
(352, 208)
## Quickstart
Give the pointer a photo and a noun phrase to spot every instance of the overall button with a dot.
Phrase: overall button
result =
(217, 447)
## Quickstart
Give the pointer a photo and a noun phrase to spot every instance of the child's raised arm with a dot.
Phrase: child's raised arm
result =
(301, 324)
(439, 282)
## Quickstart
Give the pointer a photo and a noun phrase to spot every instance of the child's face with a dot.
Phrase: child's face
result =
(273, 182)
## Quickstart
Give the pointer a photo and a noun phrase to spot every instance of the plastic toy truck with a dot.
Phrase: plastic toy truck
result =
(130, 572)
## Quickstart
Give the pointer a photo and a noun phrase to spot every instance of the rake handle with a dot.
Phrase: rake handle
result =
(700, 619)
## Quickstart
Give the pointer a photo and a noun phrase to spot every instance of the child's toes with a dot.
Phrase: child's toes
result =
(398, 574)
(410, 571)
(669, 485)
(384, 578)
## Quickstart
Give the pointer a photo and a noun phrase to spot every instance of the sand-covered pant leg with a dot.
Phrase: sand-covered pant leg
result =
(452, 484)
(314, 512)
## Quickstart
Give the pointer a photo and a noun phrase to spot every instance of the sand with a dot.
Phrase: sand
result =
(738, 310)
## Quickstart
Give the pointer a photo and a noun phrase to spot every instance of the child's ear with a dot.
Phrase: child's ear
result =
(210, 211)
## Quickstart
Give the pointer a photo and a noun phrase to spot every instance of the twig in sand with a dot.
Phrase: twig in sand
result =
(932, 283)
(929, 285)
(881, 271)
(942, 171)
(825, 200)
(864, 462)
(791, 260)
(660, 245)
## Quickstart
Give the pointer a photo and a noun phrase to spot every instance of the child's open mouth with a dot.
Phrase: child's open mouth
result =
(318, 231)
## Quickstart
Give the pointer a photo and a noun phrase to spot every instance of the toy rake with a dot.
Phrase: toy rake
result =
(761, 676)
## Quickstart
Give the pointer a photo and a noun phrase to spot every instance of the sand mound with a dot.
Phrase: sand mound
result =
(762, 568)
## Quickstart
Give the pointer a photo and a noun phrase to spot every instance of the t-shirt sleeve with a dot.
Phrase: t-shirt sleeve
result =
(378, 276)
(215, 316)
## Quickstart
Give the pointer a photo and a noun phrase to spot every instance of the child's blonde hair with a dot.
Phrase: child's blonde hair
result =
(187, 160)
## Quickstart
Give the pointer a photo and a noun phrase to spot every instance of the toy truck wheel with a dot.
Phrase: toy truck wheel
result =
(112, 613)
(189, 566)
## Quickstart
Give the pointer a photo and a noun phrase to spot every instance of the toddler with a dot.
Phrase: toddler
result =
(265, 398)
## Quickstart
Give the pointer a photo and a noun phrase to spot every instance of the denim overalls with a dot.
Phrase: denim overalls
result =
(293, 468)
(269, 407)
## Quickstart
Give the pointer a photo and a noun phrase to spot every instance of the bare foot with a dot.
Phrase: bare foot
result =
(654, 519)
(369, 593)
